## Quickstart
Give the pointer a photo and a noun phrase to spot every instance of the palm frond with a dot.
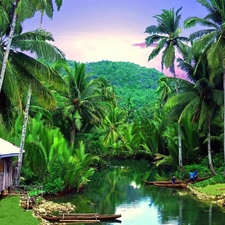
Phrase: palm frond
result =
(153, 39)
(200, 33)
(168, 55)
(157, 49)
(193, 21)
(153, 29)
(36, 43)
(205, 42)
(216, 53)
(4, 20)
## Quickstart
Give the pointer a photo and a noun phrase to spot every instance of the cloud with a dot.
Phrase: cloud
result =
(143, 45)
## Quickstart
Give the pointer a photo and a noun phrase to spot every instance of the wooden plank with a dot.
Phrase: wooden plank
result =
(77, 214)
(81, 221)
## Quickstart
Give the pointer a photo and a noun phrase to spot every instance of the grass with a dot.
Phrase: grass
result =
(216, 189)
(12, 213)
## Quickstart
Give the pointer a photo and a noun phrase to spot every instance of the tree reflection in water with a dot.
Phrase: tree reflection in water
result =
(120, 189)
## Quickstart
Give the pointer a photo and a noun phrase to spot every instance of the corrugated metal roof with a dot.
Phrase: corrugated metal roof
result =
(7, 149)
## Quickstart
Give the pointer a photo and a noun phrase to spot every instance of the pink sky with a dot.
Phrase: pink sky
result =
(94, 30)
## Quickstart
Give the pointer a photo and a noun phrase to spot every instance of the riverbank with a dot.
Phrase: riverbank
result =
(12, 213)
(33, 216)
(214, 193)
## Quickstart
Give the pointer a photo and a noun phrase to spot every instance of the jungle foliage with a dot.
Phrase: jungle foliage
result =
(77, 115)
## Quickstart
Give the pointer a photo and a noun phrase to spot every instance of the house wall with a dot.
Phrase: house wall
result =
(6, 173)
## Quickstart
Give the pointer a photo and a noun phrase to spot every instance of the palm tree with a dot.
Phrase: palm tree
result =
(78, 168)
(112, 128)
(82, 104)
(198, 99)
(29, 72)
(211, 39)
(166, 35)
(17, 12)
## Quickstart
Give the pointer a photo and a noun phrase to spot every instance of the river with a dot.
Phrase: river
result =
(119, 189)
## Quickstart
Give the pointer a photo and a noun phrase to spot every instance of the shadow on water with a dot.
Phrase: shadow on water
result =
(119, 189)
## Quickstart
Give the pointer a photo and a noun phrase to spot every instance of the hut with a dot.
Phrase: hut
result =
(7, 151)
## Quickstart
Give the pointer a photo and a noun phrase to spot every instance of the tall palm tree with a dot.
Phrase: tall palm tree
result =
(82, 103)
(200, 98)
(29, 72)
(166, 35)
(18, 11)
(211, 39)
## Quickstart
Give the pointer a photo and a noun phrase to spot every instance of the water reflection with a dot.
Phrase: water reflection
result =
(119, 189)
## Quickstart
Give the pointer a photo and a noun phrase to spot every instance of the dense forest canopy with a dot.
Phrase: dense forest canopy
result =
(133, 84)
(70, 117)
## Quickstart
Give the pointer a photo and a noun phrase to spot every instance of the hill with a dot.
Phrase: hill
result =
(134, 84)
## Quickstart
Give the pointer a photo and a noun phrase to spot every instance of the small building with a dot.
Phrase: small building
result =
(7, 151)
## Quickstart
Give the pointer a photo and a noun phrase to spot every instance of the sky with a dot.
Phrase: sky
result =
(95, 30)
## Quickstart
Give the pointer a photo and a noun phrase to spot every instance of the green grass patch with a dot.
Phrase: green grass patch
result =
(216, 189)
(12, 213)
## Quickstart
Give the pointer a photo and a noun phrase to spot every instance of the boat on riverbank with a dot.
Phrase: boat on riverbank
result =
(186, 181)
(162, 182)
(76, 217)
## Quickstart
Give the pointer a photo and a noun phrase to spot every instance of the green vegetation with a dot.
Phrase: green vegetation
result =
(213, 189)
(12, 213)
(216, 189)
(73, 116)
(133, 84)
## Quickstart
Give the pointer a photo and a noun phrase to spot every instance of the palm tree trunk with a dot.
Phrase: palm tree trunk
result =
(224, 115)
(6, 55)
(23, 135)
(180, 146)
(73, 133)
(172, 69)
(209, 148)
(41, 20)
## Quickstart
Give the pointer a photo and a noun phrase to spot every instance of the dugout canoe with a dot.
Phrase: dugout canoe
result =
(186, 181)
(162, 182)
(81, 217)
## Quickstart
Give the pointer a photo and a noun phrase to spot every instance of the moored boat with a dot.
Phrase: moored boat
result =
(82, 216)
(162, 182)
(186, 181)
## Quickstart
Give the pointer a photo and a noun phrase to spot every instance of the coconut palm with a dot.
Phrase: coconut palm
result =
(200, 98)
(112, 128)
(14, 13)
(82, 104)
(25, 71)
(167, 37)
(211, 39)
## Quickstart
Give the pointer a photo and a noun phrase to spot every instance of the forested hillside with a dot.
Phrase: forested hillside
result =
(135, 85)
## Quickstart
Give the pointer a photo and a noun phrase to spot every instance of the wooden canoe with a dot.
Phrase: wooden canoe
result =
(186, 181)
(83, 216)
(162, 182)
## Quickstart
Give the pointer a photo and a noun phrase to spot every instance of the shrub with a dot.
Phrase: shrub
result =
(54, 183)
(184, 174)
(213, 180)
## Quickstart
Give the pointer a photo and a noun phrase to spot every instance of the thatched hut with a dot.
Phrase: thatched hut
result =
(7, 151)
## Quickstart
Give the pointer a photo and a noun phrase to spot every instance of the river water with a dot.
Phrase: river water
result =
(120, 189)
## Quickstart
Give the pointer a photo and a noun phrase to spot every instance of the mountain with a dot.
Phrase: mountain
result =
(134, 84)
